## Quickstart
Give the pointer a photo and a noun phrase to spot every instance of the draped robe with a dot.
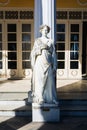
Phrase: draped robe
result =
(43, 62)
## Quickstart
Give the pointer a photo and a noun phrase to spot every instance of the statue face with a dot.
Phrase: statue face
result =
(45, 31)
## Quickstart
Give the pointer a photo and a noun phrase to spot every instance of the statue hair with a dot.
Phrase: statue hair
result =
(42, 26)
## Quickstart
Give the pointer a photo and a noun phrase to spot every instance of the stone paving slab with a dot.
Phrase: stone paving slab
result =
(13, 96)
(25, 123)
(18, 90)
(15, 85)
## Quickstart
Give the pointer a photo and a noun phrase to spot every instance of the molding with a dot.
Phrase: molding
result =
(71, 9)
(5, 2)
(82, 3)
(16, 9)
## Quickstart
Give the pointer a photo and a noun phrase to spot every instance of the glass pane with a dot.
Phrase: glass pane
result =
(60, 46)
(12, 56)
(26, 65)
(12, 65)
(11, 27)
(26, 28)
(25, 55)
(61, 64)
(60, 37)
(0, 65)
(74, 37)
(74, 55)
(0, 46)
(74, 65)
(60, 27)
(0, 28)
(12, 46)
(61, 55)
(26, 46)
(11, 37)
(0, 37)
(26, 37)
(0, 55)
(74, 46)
(74, 27)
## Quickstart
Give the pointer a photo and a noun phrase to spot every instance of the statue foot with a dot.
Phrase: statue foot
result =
(55, 102)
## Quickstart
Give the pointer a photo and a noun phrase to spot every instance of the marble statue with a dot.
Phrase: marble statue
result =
(44, 65)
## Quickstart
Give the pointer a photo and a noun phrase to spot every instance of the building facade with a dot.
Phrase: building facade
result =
(17, 37)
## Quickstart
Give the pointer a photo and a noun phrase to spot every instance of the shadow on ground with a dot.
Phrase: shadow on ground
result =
(66, 123)
(14, 123)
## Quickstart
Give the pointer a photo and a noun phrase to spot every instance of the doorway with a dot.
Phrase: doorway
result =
(69, 44)
(84, 50)
(15, 47)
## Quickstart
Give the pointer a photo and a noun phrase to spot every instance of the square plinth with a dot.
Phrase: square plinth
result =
(45, 112)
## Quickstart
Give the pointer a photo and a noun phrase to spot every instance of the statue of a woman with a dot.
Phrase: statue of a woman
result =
(44, 64)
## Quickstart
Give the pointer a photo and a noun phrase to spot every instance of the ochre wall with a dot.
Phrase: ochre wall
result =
(30, 3)
(70, 4)
(18, 3)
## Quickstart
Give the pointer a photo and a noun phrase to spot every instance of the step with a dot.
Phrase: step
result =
(15, 108)
(13, 96)
(67, 107)
(72, 102)
(73, 107)
(72, 95)
(73, 113)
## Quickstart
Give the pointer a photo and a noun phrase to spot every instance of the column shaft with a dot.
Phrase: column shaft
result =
(45, 13)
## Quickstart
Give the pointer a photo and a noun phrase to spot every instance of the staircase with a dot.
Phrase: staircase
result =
(16, 104)
(73, 107)
(73, 103)
(14, 99)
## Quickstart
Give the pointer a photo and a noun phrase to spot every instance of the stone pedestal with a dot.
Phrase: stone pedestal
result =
(45, 112)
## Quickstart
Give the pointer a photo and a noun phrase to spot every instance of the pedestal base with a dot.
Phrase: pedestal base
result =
(45, 112)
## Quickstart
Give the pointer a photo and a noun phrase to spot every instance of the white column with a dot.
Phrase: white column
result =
(45, 13)
(37, 17)
(49, 15)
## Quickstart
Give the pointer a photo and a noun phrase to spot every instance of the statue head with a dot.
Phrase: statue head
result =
(43, 26)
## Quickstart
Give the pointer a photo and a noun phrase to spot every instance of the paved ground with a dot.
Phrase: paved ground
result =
(21, 123)
(77, 90)
(15, 85)
(18, 90)
(79, 86)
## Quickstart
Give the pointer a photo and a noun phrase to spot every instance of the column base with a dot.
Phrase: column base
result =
(45, 112)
